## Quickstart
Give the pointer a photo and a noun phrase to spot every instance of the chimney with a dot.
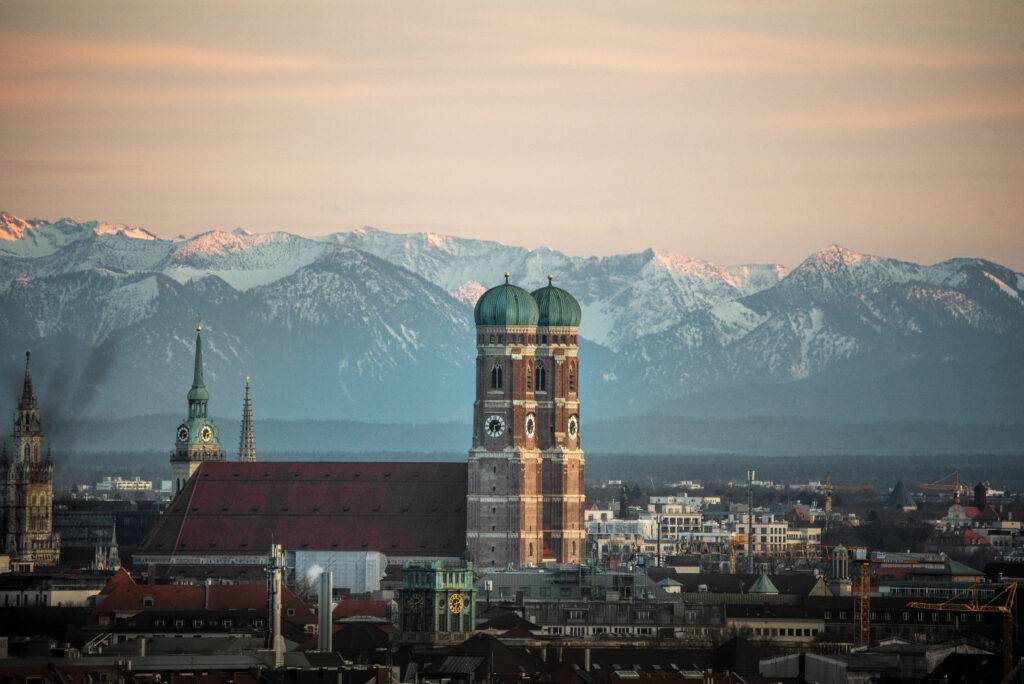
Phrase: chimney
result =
(324, 642)
(276, 641)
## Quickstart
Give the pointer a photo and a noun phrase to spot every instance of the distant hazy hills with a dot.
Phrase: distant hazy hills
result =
(367, 325)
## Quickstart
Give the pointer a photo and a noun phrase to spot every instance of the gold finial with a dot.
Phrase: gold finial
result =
(246, 379)
(550, 278)
(507, 276)
(199, 323)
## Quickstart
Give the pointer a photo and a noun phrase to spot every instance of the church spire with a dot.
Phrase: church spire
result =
(197, 374)
(247, 440)
(198, 396)
(28, 397)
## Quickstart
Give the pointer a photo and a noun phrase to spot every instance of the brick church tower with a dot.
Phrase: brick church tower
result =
(26, 490)
(556, 383)
(525, 501)
(197, 438)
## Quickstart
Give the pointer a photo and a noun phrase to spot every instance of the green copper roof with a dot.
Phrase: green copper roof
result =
(557, 308)
(506, 304)
(198, 391)
(763, 585)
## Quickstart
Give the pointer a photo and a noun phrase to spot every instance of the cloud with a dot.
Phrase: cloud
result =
(875, 117)
(22, 53)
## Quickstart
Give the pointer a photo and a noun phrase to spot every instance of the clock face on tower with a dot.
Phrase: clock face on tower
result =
(182, 434)
(455, 604)
(574, 426)
(494, 426)
(206, 433)
(531, 425)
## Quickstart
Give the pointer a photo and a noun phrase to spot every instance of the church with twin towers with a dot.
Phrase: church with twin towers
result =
(522, 484)
(525, 490)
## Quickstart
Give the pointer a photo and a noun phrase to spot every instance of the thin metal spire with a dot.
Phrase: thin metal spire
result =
(247, 440)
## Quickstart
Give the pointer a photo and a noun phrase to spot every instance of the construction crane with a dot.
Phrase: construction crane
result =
(949, 483)
(967, 602)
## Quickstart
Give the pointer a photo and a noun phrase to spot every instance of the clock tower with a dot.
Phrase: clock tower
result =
(197, 438)
(504, 509)
(556, 385)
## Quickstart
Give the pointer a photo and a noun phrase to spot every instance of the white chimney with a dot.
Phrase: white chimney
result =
(324, 641)
(274, 589)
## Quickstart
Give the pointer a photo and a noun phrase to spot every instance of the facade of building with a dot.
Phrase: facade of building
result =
(197, 439)
(526, 499)
(50, 590)
(26, 490)
(437, 602)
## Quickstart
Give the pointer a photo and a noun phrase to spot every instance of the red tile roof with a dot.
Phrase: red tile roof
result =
(360, 608)
(120, 578)
(396, 508)
(191, 597)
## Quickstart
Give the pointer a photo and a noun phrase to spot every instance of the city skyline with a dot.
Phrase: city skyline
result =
(730, 134)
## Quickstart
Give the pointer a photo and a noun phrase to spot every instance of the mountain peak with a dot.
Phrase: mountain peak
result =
(12, 227)
(836, 254)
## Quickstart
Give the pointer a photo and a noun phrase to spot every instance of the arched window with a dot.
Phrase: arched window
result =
(496, 377)
(541, 378)
(572, 377)
(530, 551)
(529, 377)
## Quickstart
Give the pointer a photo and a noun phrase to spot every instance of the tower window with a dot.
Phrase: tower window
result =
(496, 377)
(529, 377)
(572, 377)
(541, 378)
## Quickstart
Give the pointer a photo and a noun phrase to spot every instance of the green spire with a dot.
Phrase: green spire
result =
(198, 392)
(197, 376)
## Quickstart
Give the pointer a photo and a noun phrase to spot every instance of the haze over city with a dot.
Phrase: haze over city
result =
(737, 133)
(566, 342)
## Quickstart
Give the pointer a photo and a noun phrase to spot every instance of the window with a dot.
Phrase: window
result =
(529, 377)
(541, 378)
(147, 601)
(572, 377)
(496, 377)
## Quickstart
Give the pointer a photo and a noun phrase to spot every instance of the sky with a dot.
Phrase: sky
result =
(732, 132)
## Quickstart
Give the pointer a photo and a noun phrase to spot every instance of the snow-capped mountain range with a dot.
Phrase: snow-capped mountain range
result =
(372, 325)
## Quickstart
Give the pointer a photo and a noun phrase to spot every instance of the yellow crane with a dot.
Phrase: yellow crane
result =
(949, 483)
(967, 602)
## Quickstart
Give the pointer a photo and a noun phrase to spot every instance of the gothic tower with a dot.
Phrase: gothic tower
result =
(504, 522)
(26, 515)
(247, 441)
(556, 385)
(197, 439)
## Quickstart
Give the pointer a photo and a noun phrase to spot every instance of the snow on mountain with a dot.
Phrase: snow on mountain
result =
(242, 259)
(469, 292)
(623, 296)
(38, 238)
(368, 324)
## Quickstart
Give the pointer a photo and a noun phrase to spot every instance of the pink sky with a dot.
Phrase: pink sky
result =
(734, 132)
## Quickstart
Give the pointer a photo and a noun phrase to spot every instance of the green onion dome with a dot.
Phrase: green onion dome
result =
(557, 308)
(506, 304)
